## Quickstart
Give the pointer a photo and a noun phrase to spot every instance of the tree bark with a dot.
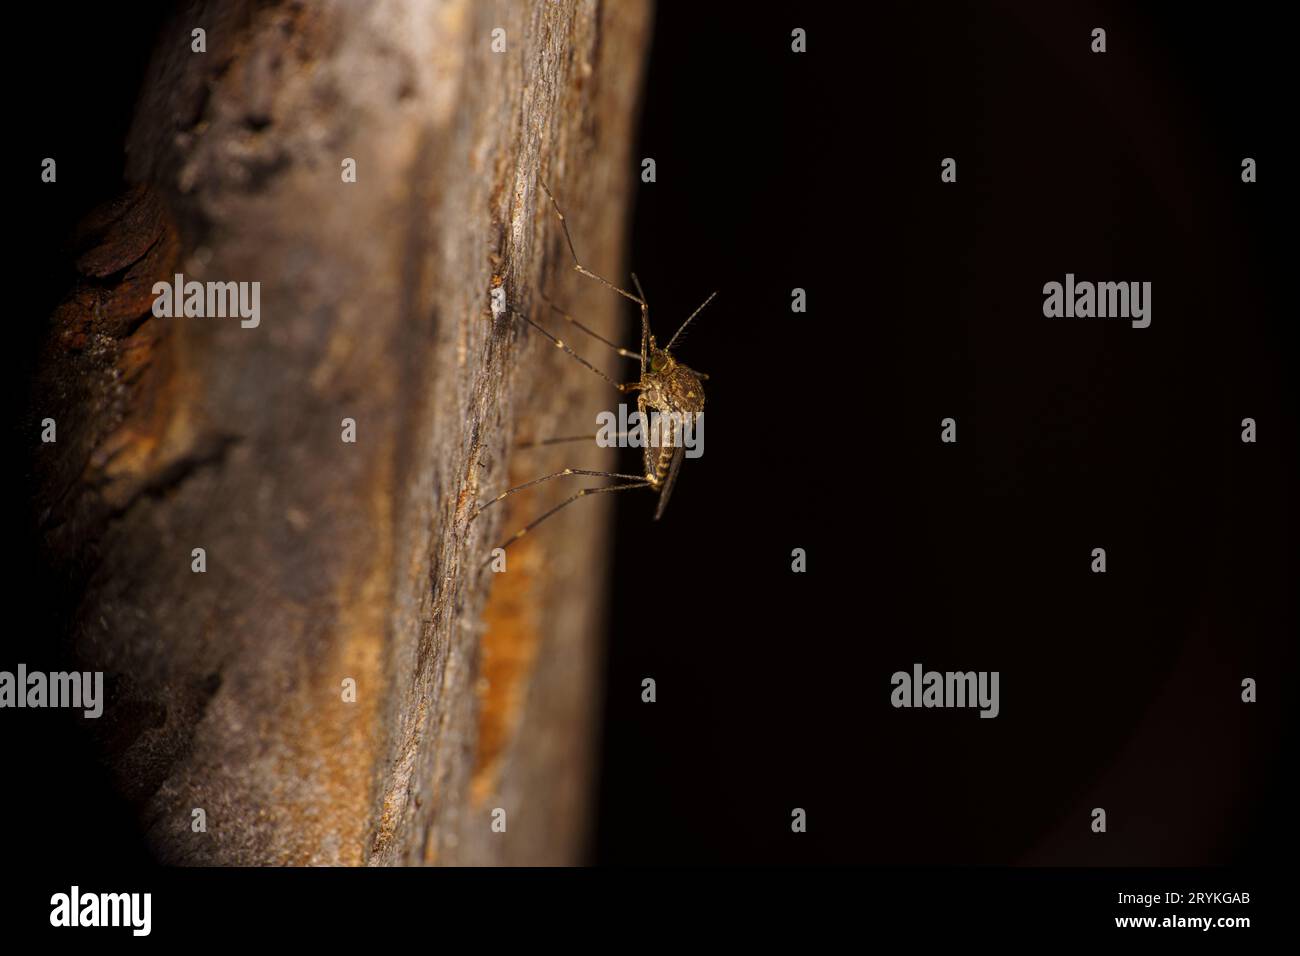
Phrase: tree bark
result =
(328, 560)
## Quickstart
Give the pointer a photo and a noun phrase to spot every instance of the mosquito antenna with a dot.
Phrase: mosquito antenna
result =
(669, 346)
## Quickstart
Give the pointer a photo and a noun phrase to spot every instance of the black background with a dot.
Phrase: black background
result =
(1121, 690)
(821, 171)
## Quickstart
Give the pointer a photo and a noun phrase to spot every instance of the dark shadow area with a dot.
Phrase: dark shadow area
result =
(61, 803)
(1122, 690)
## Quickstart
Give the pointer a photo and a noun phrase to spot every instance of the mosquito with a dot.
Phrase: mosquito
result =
(666, 386)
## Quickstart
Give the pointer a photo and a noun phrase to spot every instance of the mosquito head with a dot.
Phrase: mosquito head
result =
(660, 361)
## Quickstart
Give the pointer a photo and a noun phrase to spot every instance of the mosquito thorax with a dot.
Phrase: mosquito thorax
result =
(669, 386)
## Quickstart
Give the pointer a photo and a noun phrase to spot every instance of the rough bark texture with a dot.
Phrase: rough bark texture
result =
(328, 560)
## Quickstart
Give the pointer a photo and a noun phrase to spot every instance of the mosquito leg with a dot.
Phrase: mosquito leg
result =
(646, 455)
(556, 441)
(645, 325)
(558, 474)
(567, 501)
(626, 353)
(559, 344)
(577, 265)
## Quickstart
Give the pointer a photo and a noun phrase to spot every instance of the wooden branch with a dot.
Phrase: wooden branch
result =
(328, 560)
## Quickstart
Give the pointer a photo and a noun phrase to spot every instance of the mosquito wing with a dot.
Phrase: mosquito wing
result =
(667, 489)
